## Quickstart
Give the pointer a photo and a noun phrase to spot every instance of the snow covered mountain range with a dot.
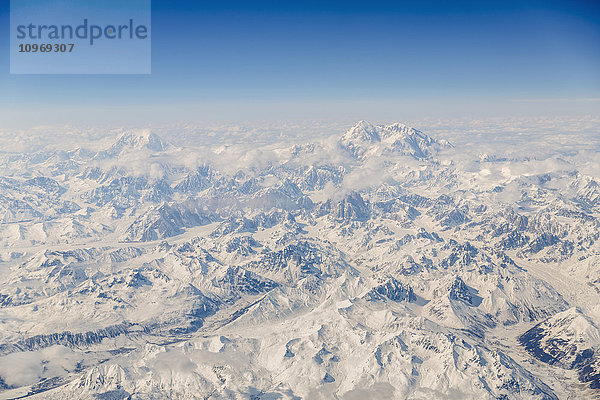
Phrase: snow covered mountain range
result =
(378, 263)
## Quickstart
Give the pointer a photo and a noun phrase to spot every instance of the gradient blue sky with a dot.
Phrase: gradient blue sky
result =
(332, 59)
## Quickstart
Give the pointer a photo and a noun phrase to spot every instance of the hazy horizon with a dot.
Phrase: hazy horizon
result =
(236, 61)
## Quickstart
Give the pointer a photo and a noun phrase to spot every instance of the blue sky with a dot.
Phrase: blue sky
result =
(328, 59)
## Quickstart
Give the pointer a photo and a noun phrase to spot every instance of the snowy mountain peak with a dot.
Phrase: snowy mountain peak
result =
(362, 131)
(569, 340)
(589, 193)
(141, 139)
(400, 131)
(136, 140)
(364, 140)
(570, 325)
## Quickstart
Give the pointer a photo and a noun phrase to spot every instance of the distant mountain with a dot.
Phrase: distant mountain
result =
(364, 140)
(134, 141)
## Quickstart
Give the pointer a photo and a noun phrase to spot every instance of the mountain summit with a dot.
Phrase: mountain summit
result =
(139, 140)
(365, 139)
(135, 141)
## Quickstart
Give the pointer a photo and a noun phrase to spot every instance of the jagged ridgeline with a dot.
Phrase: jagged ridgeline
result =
(379, 263)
